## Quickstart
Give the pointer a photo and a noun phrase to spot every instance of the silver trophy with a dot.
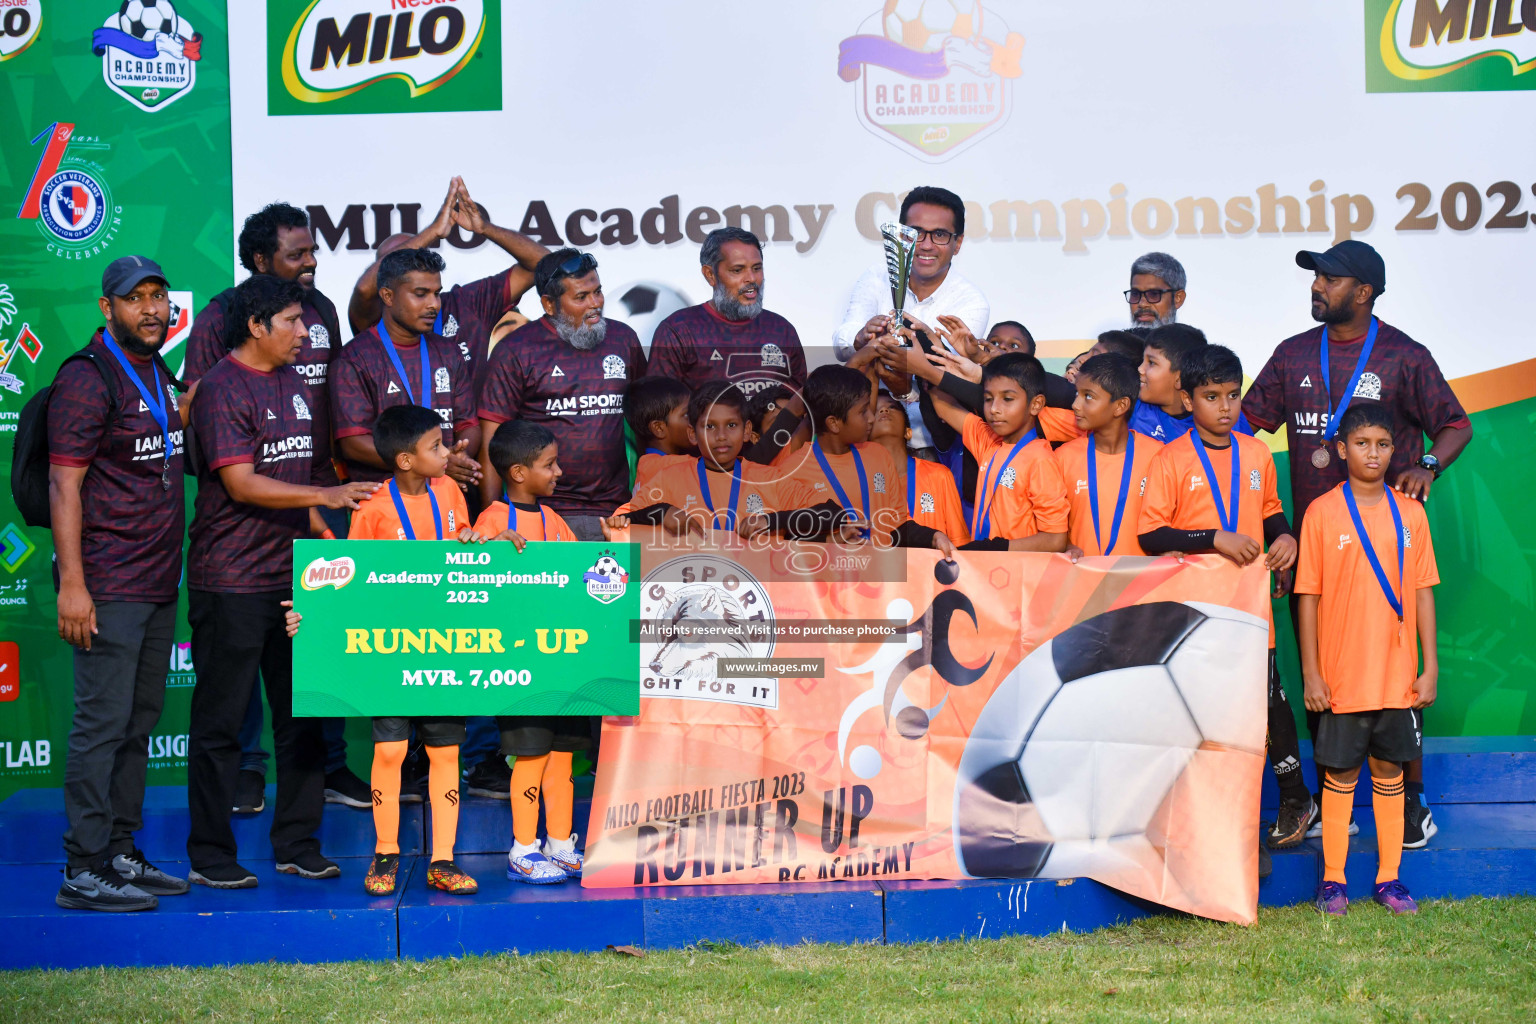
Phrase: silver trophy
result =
(900, 241)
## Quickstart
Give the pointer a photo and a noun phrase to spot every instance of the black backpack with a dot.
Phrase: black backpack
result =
(29, 453)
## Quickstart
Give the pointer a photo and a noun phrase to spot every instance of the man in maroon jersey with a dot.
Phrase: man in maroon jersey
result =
(277, 240)
(730, 336)
(469, 312)
(402, 360)
(253, 426)
(1365, 359)
(567, 371)
(117, 506)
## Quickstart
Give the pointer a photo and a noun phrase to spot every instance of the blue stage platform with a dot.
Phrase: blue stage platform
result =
(1483, 792)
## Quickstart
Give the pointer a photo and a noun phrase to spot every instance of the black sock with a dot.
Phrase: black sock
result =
(1415, 793)
(1284, 744)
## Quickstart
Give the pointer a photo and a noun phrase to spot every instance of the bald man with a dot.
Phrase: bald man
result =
(469, 312)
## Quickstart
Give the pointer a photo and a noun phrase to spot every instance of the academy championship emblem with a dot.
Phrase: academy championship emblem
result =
(337, 572)
(606, 580)
(148, 52)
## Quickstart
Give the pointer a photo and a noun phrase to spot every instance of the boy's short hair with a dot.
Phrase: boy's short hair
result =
(1115, 374)
(518, 443)
(1023, 370)
(1028, 338)
(713, 393)
(760, 404)
(833, 390)
(650, 399)
(399, 427)
(1175, 341)
(901, 407)
(1366, 414)
(1209, 364)
(1123, 343)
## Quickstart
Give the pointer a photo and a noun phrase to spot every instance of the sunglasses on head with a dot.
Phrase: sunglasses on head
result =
(578, 264)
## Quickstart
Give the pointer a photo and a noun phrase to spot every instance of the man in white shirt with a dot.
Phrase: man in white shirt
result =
(933, 288)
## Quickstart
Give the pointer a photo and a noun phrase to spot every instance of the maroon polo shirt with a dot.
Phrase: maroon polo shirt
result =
(130, 525)
(533, 375)
(696, 345)
(470, 311)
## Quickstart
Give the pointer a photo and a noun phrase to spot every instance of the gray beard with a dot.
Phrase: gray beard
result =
(733, 309)
(1173, 317)
(582, 339)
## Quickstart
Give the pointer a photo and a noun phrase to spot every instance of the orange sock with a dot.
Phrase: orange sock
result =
(387, 759)
(559, 795)
(443, 784)
(1338, 799)
(1387, 802)
(527, 774)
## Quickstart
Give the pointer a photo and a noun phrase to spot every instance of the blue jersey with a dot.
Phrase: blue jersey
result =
(1157, 424)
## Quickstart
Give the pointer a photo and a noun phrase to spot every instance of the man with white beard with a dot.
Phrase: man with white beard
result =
(1156, 291)
(567, 370)
(730, 336)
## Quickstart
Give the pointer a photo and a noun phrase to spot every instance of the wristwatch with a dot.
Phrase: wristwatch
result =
(1430, 463)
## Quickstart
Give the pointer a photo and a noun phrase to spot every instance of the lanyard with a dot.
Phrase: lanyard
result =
(837, 488)
(982, 528)
(405, 518)
(154, 401)
(730, 513)
(437, 325)
(1228, 519)
(1349, 390)
(911, 487)
(654, 451)
(1370, 552)
(543, 524)
(426, 366)
(1125, 490)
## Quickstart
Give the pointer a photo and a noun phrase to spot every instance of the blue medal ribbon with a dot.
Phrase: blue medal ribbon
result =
(1349, 390)
(153, 401)
(981, 529)
(1395, 600)
(730, 513)
(405, 518)
(837, 488)
(911, 487)
(543, 523)
(1228, 518)
(654, 451)
(1125, 491)
(426, 367)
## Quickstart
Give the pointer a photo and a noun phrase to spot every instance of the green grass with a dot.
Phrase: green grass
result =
(1472, 960)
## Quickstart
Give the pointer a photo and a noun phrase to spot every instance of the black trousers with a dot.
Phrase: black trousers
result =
(234, 635)
(119, 692)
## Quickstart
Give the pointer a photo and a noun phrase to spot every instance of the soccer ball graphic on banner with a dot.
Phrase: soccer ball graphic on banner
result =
(927, 24)
(1075, 752)
(643, 305)
(144, 19)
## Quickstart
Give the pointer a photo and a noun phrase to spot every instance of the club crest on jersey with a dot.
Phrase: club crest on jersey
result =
(299, 408)
(450, 326)
(879, 483)
(1407, 537)
(774, 356)
(1255, 481)
(926, 504)
(319, 337)
(440, 382)
(1008, 477)
(607, 579)
(755, 504)
(1369, 387)
(614, 368)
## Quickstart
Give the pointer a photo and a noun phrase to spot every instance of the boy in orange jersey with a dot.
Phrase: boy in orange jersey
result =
(1213, 489)
(656, 412)
(1365, 597)
(421, 502)
(1105, 471)
(1021, 498)
(928, 488)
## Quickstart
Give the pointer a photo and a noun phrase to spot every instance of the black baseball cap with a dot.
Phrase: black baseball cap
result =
(1351, 258)
(126, 273)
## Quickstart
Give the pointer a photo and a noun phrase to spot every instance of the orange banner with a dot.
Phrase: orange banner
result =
(813, 713)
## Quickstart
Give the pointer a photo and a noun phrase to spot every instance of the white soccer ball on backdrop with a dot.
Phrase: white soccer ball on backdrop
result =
(1078, 746)
(926, 24)
(144, 19)
(643, 305)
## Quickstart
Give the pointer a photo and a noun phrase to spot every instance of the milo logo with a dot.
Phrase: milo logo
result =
(337, 572)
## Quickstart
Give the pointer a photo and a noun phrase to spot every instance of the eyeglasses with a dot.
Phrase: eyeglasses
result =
(580, 264)
(1152, 295)
(939, 235)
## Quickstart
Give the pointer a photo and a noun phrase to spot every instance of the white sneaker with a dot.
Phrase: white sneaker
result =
(527, 864)
(1316, 831)
(565, 855)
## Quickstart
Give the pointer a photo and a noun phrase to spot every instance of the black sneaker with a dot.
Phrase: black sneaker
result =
(1291, 824)
(344, 787)
(223, 876)
(1418, 826)
(137, 869)
(310, 864)
(1266, 862)
(250, 792)
(102, 888)
(490, 778)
